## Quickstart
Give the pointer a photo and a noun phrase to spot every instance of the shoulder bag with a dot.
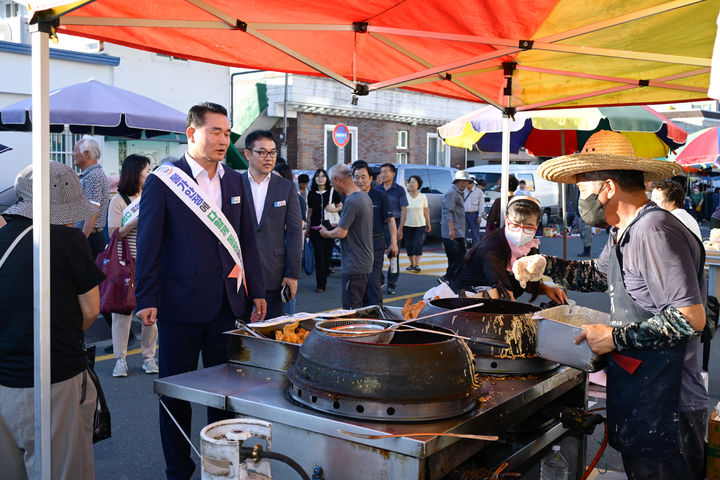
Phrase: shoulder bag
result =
(332, 217)
(117, 291)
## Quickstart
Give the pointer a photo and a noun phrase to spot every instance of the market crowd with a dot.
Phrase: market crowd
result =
(212, 247)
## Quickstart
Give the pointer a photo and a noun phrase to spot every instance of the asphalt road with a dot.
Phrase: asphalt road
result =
(134, 452)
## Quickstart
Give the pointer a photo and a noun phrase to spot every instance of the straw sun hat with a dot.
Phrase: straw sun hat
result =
(606, 150)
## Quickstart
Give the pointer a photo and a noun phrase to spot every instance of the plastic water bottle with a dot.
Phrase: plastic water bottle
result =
(554, 466)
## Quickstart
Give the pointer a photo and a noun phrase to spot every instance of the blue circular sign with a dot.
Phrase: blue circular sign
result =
(341, 135)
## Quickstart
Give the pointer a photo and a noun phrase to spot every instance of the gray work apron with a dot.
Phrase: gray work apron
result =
(642, 404)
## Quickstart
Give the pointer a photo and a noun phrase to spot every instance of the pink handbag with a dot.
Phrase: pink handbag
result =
(117, 291)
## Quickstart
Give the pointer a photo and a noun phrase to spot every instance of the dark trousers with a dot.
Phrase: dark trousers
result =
(353, 290)
(392, 278)
(181, 344)
(275, 306)
(472, 228)
(373, 294)
(414, 238)
(455, 251)
(688, 463)
(322, 251)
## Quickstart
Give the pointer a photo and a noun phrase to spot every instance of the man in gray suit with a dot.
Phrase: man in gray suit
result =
(278, 223)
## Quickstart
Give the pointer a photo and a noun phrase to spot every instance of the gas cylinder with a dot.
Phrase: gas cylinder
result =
(220, 444)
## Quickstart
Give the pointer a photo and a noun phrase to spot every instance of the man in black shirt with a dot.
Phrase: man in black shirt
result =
(74, 305)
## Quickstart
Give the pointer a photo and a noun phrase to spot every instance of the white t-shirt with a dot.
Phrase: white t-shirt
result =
(687, 220)
(415, 216)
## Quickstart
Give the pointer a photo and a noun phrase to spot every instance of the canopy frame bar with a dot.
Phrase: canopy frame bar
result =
(399, 48)
(523, 45)
(239, 24)
(443, 68)
(629, 81)
(143, 22)
(599, 92)
(302, 58)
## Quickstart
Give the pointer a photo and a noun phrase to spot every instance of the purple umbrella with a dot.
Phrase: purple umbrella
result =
(99, 109)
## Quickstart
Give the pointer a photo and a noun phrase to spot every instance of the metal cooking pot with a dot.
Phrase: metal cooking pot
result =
(414, 367)
(509, 322)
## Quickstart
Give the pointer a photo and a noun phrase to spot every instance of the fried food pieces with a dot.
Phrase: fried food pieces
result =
(290, 335)
(410, 311)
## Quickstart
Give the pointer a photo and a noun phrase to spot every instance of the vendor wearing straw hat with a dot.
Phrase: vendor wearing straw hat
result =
(652, 266)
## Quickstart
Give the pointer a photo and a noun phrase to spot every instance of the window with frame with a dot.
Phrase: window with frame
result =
(437, 154)
(62, 145)
(402, 140)
(401, 158)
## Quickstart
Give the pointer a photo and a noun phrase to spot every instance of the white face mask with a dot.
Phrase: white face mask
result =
(519, 238)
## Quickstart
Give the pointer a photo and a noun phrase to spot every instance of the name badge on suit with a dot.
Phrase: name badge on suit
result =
(281, 203)
(235, 200)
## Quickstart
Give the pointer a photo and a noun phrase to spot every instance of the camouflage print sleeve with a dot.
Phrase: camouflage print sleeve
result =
(666, 329)
(580, 275)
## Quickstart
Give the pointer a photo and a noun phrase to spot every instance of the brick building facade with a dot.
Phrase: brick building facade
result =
(377, 141)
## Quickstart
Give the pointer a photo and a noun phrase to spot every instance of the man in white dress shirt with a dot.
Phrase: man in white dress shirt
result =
(278, 221)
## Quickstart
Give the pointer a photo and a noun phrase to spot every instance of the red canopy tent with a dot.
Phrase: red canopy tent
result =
(513, 54)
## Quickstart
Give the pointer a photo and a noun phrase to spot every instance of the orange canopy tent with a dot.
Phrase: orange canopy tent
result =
(512, 54)
(523, 54)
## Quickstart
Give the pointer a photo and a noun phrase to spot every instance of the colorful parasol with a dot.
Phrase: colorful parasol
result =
(702, 151)
(540, 132)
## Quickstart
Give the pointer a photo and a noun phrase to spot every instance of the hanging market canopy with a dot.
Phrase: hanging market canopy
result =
(544, 133)
(99, 109)
(525, 54)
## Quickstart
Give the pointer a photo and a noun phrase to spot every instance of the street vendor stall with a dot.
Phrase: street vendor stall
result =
(557, 53)
(364, 433)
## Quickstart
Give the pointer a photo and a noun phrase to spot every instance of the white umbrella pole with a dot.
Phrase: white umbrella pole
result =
(505, 175)
(41, 246)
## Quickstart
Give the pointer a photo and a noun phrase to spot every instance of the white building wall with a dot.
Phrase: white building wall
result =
(177, 83)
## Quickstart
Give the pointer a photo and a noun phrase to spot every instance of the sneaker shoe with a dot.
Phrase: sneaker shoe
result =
(417, 269)
(410, 268)
(150, 365)
(389, 292)
(120, 369)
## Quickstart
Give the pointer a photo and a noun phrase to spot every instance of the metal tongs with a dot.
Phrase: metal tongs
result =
(394, 328)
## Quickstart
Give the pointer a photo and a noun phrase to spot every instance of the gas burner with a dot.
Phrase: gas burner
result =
(419, 376)
(364, 409)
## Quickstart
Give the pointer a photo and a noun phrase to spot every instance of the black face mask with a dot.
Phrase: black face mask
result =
(592, 211)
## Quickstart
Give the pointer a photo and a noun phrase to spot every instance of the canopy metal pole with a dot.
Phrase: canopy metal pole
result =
(283, 146)
(505, 175)
(563, 198)
(41, 244)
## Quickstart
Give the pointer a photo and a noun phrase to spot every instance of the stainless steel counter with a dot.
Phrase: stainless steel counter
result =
(314, 439)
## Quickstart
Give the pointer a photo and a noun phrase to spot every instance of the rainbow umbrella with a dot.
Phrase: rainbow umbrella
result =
(541, 132)
(701, 152)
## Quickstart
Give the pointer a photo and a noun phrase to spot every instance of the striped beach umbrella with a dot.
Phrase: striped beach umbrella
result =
(541, 132)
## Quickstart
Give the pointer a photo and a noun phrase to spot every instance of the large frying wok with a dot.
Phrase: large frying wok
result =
(509, 322)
